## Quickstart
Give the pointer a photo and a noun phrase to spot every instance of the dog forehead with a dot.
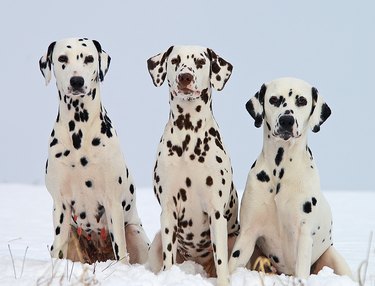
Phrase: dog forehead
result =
(286, 85)
(75, 45)
(184, 51)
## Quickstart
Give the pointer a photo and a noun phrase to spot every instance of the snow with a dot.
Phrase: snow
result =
(26, 232)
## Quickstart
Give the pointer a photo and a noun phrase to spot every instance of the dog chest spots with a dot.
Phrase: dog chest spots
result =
(279, 156)
(263, 177)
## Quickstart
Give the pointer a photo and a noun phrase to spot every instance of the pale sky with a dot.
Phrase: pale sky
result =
(330, 44)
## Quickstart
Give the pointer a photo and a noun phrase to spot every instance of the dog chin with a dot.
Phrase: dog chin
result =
(187, 95)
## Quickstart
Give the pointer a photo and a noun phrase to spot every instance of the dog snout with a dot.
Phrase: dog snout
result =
(185, 79)
(286, 122)
(77, 82)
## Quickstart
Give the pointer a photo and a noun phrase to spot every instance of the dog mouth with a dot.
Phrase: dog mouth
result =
(187, 93)
(73, 91)
(285, 135)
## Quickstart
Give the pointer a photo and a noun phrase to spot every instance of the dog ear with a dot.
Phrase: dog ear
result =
(255, 106)
(320, 111)
(104, 60)
(45, 63)
(157, 67)
(221, 70)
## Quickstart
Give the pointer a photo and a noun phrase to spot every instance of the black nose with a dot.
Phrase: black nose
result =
(77, 82)
(185, 79)
(286, 122)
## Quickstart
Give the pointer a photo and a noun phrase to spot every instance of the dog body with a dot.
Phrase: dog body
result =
(86, 174)
(282, 209)
(193, 174)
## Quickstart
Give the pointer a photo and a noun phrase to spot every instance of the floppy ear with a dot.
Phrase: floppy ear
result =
(221, 70)
(157, 67)
(320, 111)
(104, 60)
(255, 106)
(45, 63)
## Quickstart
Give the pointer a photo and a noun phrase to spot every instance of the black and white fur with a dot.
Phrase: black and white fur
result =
(86, 174)
(193, 173)
(283, 210)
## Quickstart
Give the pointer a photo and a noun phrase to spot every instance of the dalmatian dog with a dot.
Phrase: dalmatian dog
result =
(283, 211)
(86, 175)
(193, 174)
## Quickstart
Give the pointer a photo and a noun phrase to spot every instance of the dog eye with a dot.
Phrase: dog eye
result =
(301, 101)
(174, 61)
(274, 100)
(89, 59)
(63, 59)
(201, 62)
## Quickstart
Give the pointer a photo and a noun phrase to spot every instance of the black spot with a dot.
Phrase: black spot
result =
(54, 142)
(84, 161)
(120, 180)
(131, 188)
(183, 195)
(116, 251)
(219, 262)
(188, 182)
(58, 155)
(88, 184)
(253, 165)
(279, 156)
(72, 125)
(276, 259)
(209, 181)
(217, 215)
(236, 253)
(123, 203)
(281, 174)
(277, 188)
(76, 137)
(263, 177)
(57, 231)
(61, 218)
(314, 201)
(307, 207)
(66, 153)
(127, 208)
(169, 247)
(82, 215)
(95, 141)
(218, 159)
(220, 193)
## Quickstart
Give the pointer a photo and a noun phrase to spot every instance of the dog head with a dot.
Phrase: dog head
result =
(189, 70)
(78, 64)
(288, 106)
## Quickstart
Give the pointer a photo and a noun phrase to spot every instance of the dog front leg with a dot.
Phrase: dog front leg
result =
(116, 227)
(168, 222)
(304, 252)
(219, 240)
(61, 223)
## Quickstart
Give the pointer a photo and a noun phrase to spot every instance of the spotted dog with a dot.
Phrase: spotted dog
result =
(86, 174)
(193, 174)
(283, 210)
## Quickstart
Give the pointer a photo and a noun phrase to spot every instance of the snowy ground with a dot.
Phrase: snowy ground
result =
(26, 226)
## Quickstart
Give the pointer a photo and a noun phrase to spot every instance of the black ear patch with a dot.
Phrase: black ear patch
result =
(257, 117)
(43, 64)
(255, 106)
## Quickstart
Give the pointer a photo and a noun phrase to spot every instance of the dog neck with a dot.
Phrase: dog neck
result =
(77, 107)
(198, 107)
(296, 146)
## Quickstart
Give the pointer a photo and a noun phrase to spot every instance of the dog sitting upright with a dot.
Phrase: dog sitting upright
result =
(86, 175)
(282, 209)
(193, 174)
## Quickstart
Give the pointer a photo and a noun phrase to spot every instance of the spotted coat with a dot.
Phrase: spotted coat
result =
(193, 175)
(86, 174)
(283, 210)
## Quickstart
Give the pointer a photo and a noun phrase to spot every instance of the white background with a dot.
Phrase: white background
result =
(327, 43)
